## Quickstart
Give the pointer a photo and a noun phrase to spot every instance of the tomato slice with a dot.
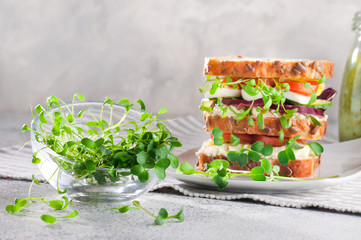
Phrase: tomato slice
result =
(268, 81)
(299, 88)
(229, 86)
(274, 141)
(250, 139)
(244, 138)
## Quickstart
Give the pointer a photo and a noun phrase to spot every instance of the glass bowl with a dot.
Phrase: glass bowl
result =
(58, 170)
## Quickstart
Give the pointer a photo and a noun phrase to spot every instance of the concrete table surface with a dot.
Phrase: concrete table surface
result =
(204, 218)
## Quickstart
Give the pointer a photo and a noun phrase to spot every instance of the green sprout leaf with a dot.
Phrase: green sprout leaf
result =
(217, 136)
(163, 213)
(313, 97)
(142, 157)
(276, 169)
(254, 156)
(36, 160)
(266, 165)
(90, 165)
(174, 161)
(187, 168)
(250, 121)
(315, 121)
(283, 157)
(42, 117)
(88, 143)
(48, 218)
(162, 111)
(95, 140)
(160, 168)
(70, 118)
(257, 146)
(79, 96)
(221, 182)
(233, 156)
(257, 174)
(290, 153)
(56, 204)
(38, 108)
(20, 202)
(26, 128)
(180, 215)
(267, 150)
(260, 120)
(286, 123)
(235, 139)
(145, 116)
(214, 88)
(322, 80)
(124, 209)
(316, 148)
(71, 215)
(281, 136)
(159, 220)
(12, 208)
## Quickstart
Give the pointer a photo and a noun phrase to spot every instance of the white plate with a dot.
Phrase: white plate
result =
(343, 159)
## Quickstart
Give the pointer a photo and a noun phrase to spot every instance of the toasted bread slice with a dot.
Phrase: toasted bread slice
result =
(303, 166)
(272, 126)
(238, 67)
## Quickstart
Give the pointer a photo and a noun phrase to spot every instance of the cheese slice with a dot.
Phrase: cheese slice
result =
(224, 92)
(296, 97)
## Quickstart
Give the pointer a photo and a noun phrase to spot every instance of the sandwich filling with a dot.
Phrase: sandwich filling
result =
(261, 98)
(208, 148)
(233, 110)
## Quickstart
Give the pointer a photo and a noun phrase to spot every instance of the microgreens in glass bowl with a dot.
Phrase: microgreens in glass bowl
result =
(100, 151)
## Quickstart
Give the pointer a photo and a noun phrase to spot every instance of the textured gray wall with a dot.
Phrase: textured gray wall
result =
(155, 50)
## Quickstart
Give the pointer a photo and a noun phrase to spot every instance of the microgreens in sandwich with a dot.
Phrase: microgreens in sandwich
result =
(220, 174)
(254, 153)
(271, 92)
(288, 154)
(159, 219)
(257, 152)
(258, 149)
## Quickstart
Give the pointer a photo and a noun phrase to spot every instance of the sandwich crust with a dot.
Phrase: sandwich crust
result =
(238, 66)
(272, 127)
(297, 168)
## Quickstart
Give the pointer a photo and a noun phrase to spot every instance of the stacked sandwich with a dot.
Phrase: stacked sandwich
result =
(265, 108)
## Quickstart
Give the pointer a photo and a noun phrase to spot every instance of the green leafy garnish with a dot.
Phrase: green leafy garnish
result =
(159, 219)
(313, 97)
(315, 121)
(316, 148)
(235, 139)
(218, 172)
(322, 80)
(217, 136)
(22, 203)
(271, 95)
(98, 144)
(288, 154)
